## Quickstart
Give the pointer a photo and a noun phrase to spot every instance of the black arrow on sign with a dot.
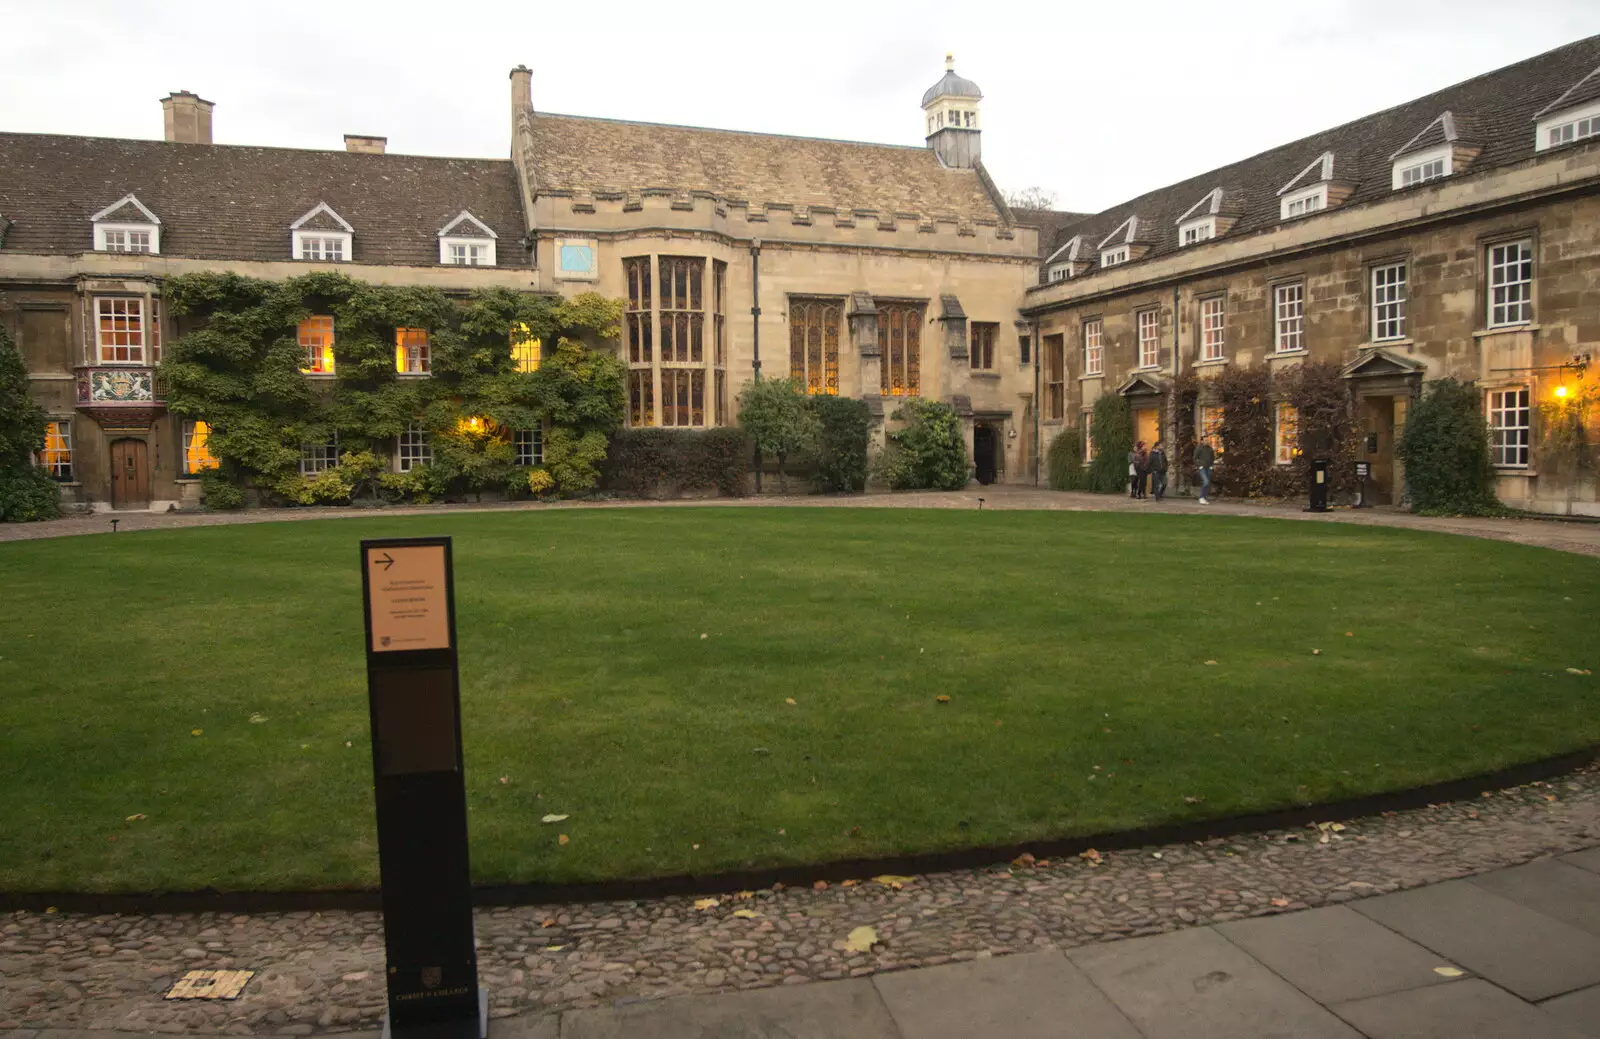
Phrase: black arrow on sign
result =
(386, 559)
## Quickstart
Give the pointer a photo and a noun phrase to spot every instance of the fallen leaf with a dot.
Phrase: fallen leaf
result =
(548, 921)
(941, 698)
(197, 732)
(1349, 634)
(135, 817)
(746, 914)
(554, 948)
(892, 880)
(562, 839)
(696, 847)
(1090, 856)
(1025, 859)
(1549, 797)
(550, 818)
(703, 904)
(1316, 652)
(745, 896)
(848, 883)
(257, 719)
(821, 885)
(1209, 662)
(1192, 800)
(1280, 902)
(861, 940)
(1579, 671)
(789, 700)
(1449, 972)
(503, 779)
(704, 635)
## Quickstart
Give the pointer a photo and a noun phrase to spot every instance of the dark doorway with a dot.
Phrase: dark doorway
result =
(985, 442)
(130, 475)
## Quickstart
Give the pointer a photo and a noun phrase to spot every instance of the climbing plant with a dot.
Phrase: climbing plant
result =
(1244, 466)
(239, 369)
(1112, 426)
(1327, 427)
(1445, 449)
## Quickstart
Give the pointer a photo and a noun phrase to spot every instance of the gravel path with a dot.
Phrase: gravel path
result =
(323, 972)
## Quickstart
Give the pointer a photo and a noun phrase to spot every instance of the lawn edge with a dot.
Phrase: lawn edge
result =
(493, 895)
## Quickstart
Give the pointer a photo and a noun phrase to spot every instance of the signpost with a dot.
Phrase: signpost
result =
(413, 694)
(1363, 473)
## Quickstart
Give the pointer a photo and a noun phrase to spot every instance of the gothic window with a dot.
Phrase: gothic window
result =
(719, 319)
(640, 331)
(984, 334)
(814, 344)
(683, 373)
(900, 347)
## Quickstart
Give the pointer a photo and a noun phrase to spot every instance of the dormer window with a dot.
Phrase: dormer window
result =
(1060, 272)
(1573, 116)
(1421, 167)
(1196, 231)
(467, 241)
(1302, 203)
(322, 235)
(1112, 257)
(1312, 190)
(127, 226)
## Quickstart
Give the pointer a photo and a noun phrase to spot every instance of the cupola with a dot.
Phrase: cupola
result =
(950, 110)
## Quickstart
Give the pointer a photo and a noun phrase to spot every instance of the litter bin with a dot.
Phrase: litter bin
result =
(1319, 485)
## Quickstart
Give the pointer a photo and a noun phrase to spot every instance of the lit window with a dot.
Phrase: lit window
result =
(411, 351)
(1286, 435)
(1149, 339)
(56, 458)
(1211, 427)
(414, 449)
(1094, 354)
(1389, 302)
(526, 349)
(1422, 171)
(1055, 377)
(120, 240)
(1289, 322)
(328, 249)
(1112, 257)
(814, 344)
(319, 456)
(1305, 202)
(529, 446)
(1088, 436)
(638, 323)
(1511, 283)
(719, 297)
(316, 339)
(1509, 428)
(1212, 317)
(196, 450)
(984, 334)
(900, 344)
(121, 329)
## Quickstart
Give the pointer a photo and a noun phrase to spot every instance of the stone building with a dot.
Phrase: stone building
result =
(1454, 235)
(877, 271)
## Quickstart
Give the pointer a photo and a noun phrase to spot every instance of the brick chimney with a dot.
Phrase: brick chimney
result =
(356, 142)
(187, 117)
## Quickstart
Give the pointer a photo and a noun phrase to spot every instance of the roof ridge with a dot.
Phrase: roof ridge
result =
(364, 156)
(744, 133)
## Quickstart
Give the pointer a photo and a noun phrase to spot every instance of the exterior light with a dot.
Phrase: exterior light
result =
(1561, 391)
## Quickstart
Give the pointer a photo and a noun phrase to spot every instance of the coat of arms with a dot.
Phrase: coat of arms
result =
(431, 976)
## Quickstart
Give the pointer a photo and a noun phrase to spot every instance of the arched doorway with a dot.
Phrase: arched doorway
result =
(130, 474)
(985, 444)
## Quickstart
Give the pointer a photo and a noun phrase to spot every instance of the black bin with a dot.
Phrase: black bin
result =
(1319, 485)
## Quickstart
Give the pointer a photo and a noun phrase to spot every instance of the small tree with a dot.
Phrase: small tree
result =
(26, 491)
(1031, 198)
(1445, 449)
(775, 415)
(930, 451)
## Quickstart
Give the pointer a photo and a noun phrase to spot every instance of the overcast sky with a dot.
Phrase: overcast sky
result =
(1096, 102)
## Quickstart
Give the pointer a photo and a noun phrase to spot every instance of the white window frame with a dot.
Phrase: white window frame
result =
(1416, 166)
(1094, 347)
(320, 242)
(106, 304)
(1213, 328)
(105, 243)
(299, 234)
(1569, 127)
(319, 457)
(1389, 295)
(1510, 415)
(1196, 231)
(1060, 272)
(1305, 203)
(1289, 318)
(101, 225)
(317, 348)
(418, 356)
(1114, 256)
(528, 446)
(55, 458)
(447, 247)
(412, 448)
(1511, 296)
(1149, 327)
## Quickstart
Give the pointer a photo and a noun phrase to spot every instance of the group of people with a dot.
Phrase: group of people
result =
(1147, 470)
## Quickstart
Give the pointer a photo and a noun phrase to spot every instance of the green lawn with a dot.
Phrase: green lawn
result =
(622, 666)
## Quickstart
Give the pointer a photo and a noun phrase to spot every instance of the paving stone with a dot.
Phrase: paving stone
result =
(1532, 955)
(822, 1011)
(1038, 995)
(1589, 860)
(525, 1026)
(1197, 985)
(1568, 893)
(1335, 954)
(1579, 1009)
(1471, 1009)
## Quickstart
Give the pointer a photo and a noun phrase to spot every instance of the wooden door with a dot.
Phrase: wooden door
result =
(984, 445)
(1147, 425)
(130, 475)
(1379, 448)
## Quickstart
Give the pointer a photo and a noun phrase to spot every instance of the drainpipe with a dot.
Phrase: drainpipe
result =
(1173, 439)
(755, 330)
(1037, 430)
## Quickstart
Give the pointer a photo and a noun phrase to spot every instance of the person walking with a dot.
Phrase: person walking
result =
(1204, 459)
(1157, 465)
(1138, 466)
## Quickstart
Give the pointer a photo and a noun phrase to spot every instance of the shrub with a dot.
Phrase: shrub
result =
(1112, 423)
(778, 418)
(539, 482)
(26, 491)
(1445, 448)
(1318, 391)
(1065, 459)
(842, 444)
(218, 493)
(664, 463)
(932, 451)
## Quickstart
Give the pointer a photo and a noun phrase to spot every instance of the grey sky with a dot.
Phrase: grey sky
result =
(1097, 102)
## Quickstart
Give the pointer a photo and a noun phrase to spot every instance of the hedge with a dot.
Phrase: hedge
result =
(665, 463)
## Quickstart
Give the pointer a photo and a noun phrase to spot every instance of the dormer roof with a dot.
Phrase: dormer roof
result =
(1582, 92)
(126, 210)
(1317, 171)
(1441, 131)
(1126, 233)
(1074, 248)
(1210, 204)
(321, 217)
(465, 225)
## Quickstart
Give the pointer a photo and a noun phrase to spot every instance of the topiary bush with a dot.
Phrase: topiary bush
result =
(1065, 460)
(1112, 423)
(841, 453)
(665, 463)
(26, 491)
(930, 451)
(1445, 448)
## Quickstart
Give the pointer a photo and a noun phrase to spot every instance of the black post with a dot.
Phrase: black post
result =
(414, 700)
(755, 330)
(1319, 485)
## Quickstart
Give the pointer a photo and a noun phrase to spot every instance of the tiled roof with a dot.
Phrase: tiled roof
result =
(226, 202)
(1050, 223)
(1495, 110)
(579, 154)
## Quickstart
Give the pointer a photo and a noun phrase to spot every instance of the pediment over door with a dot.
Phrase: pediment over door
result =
(1380, 364)
(1142, 386)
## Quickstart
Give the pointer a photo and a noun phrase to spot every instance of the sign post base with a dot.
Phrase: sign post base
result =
(450, 1029)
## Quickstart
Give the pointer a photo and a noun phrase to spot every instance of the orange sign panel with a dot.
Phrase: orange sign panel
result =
(409, 598)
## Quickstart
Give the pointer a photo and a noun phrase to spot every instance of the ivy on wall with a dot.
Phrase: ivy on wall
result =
(239, 370)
